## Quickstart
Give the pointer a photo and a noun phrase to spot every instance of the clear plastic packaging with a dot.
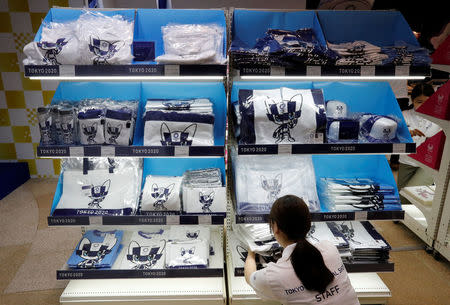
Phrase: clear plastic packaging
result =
(260, 180)
(45, 125)
(281, 115)
(379, 128)
(93, 38)
(99, 186)
(187, 254)
(192, 44)
(161, 194)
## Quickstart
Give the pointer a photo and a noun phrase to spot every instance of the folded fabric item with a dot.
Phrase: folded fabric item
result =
(193, 105)
(58, 123)
(258, 238)
(321, 231)
(357, 194)
(204, 200)
(260, 181)
(45, 123)
(100, 191)
(190, 233)
(68, 123)
(161, 193)
(92, 39)
(146, 250)
(96, 249)
(187, 254)
(208, 177)
(281, 115)
(378, 128)
(361, 235)
(422, 194)
(178, 128)
(342, 130)
(119, 126)
(92, 126)
(192, 44)
(358, 53)
(402, 53)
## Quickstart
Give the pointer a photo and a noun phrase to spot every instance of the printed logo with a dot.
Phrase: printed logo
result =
(179, 138)
(178, 105)
(440, 99)
(113, 131)
(104, 50)
(386, 132)
(145, 257)
(46, 130)
(90, 132)
(52, 49)
(93, 253)
(67, 133)
(348, 232)
(161, 195)
(192, 234)
(206, 201)
(285, 114)
(187, 255)
(97, 193)
(430, 148)
(272, 187)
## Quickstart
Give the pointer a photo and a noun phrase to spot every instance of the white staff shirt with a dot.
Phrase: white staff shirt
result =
(278, 281)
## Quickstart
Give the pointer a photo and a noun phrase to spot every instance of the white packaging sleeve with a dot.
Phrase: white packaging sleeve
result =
(187, 254)
(99, 192)
(189, 232)
(161, 193)
(204, 200)
(145, 250)
(91, 131)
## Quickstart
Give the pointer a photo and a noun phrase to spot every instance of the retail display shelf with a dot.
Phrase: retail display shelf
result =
(432, 172)
(58, 151)
(184, 291)
(445, 68)
(416, 222)
(426, 210)
(444, 124)
(123, 71)
(335, 148)
(216, 219)
(331, 216)
(350, 267)
(362, 72)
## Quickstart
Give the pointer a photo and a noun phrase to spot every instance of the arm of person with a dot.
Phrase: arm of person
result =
(257, 279)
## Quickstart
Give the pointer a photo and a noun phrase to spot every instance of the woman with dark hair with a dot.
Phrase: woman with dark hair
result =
(306, 273)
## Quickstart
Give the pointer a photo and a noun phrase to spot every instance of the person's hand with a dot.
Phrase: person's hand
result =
(416, 132)
(251, 254)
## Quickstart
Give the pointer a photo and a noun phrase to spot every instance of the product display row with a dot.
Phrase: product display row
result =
(340, 42)
(156, 119)
(166, 251)
(128, 186)
(326, 183)
(358, 244)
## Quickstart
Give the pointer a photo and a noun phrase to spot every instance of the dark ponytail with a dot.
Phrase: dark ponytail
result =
(292, 217)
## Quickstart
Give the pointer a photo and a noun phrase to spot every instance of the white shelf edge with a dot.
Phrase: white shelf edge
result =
(430, 171)
(416, 222)
(426, 210)
(445, 68)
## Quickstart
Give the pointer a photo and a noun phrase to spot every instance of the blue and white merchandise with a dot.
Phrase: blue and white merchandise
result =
(146, 250)
(161, 193)
(96, 249)
(261, 180)
(45, 125)
(377, 128)
(189, 233)
(92, 39)
(281, 115)
(257, 237)
(91, 124)
(342, 130)
(119, 126)
(187, 254)
(184, 122)
(103, 190)
(192, 44)
(336, 109)
(204, 200)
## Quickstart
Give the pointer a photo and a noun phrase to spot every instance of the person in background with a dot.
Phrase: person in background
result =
(306, 273)
(409, 174)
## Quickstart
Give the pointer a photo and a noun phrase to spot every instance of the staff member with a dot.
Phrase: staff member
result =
(305, 274)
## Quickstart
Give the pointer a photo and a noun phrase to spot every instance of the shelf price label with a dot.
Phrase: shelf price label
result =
(251, 218)
(48, 151)
(41, 70)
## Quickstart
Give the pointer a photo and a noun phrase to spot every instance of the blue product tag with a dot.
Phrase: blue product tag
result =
(144, 50)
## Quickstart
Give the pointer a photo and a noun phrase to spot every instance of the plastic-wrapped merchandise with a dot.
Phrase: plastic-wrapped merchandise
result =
(96, 249)
(260, 180)
(358, 53)
(189, 233)
(357, 194)
(203, 192)
(161, 193)
(378, 128)
(146, 250)
(281, 116)
(106, 121)
(99, 186)
(187, 254)
(179, 122)
(258, 238)
(192, 44)
(45, 125)
(58, 124)
(68, 122)
(323, 231)
(91, 39)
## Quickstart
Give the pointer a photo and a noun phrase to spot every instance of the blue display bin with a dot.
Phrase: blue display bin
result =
(250, 25)
(381, 28)
(149, 22)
